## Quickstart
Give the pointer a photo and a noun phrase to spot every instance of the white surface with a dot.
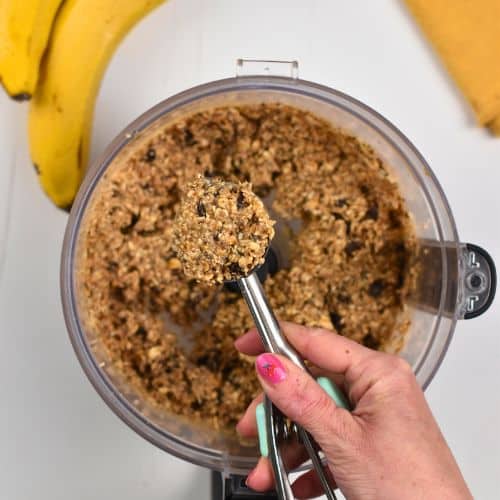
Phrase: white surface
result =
(57, 438)
(9, 119)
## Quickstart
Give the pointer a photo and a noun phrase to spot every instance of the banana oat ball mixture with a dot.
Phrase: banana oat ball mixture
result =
(221, 231)
(346, 245)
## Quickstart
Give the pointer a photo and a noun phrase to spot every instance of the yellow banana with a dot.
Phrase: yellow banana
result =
(83, 38)
(24, 32)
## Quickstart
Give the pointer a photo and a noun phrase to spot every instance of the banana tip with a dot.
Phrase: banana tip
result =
(66, 208)
(22, 96)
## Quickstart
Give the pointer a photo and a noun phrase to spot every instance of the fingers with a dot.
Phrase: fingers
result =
(301, 399)
(309, 486)
(247, 426)
(324, 348)
(249, 343)
(337, 378)
(262, 478)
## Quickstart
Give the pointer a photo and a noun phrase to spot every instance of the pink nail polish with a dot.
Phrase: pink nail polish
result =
(270, 368)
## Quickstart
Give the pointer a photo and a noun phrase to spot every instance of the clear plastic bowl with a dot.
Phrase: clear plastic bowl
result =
(442, 296)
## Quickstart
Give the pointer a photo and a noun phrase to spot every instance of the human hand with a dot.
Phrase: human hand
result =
(389, 446)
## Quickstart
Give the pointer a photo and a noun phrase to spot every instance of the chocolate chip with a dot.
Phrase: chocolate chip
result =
(196, 405)
(148, 232)
(141, 332)
(112, 266)
(235, 269)
(189, 139)
(401, 261)
(118, 293)
(394, 219)
(401, 280)
(399, 247)
(220, 394)
(343, 298)
(336, 320)
(150, 155)
(200, 208)
(233, 298)
(240, 201)
(370, 341)
(339, 216)
(227, 372)
(372, 213)
(147, 373)
(341, 202)
(352, 246)
(364, 189)
(134, 219)
(376, 288)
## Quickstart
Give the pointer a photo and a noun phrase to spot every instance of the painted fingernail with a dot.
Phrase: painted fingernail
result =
(270, 368)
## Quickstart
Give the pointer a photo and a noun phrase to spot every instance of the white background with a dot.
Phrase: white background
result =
(57, 438)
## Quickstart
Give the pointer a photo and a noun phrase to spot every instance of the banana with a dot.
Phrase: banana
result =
(24, 32)
(83, 39)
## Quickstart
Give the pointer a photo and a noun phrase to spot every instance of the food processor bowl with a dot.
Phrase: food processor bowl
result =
(456, 280)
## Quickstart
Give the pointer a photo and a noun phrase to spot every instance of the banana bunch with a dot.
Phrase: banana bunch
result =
(55, 52)
(24, 33)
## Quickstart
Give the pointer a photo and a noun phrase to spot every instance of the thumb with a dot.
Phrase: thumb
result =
(304, 401)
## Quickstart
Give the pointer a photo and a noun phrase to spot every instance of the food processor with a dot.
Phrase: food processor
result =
(455, 280)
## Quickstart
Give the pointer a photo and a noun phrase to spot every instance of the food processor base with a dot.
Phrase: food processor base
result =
(234, 487)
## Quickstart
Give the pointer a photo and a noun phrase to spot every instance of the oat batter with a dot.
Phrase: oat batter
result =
(350, 263)
(222, 230)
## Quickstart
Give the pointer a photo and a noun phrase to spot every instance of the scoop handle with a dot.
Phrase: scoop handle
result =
(274, 341)
(265, 320)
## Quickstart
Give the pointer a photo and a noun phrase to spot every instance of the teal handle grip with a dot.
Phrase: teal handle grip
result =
(260, 413)
(334, 392)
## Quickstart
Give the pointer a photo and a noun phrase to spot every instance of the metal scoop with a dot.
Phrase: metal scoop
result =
(277, 430)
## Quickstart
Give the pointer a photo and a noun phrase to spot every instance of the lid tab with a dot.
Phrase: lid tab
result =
(262, 67)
